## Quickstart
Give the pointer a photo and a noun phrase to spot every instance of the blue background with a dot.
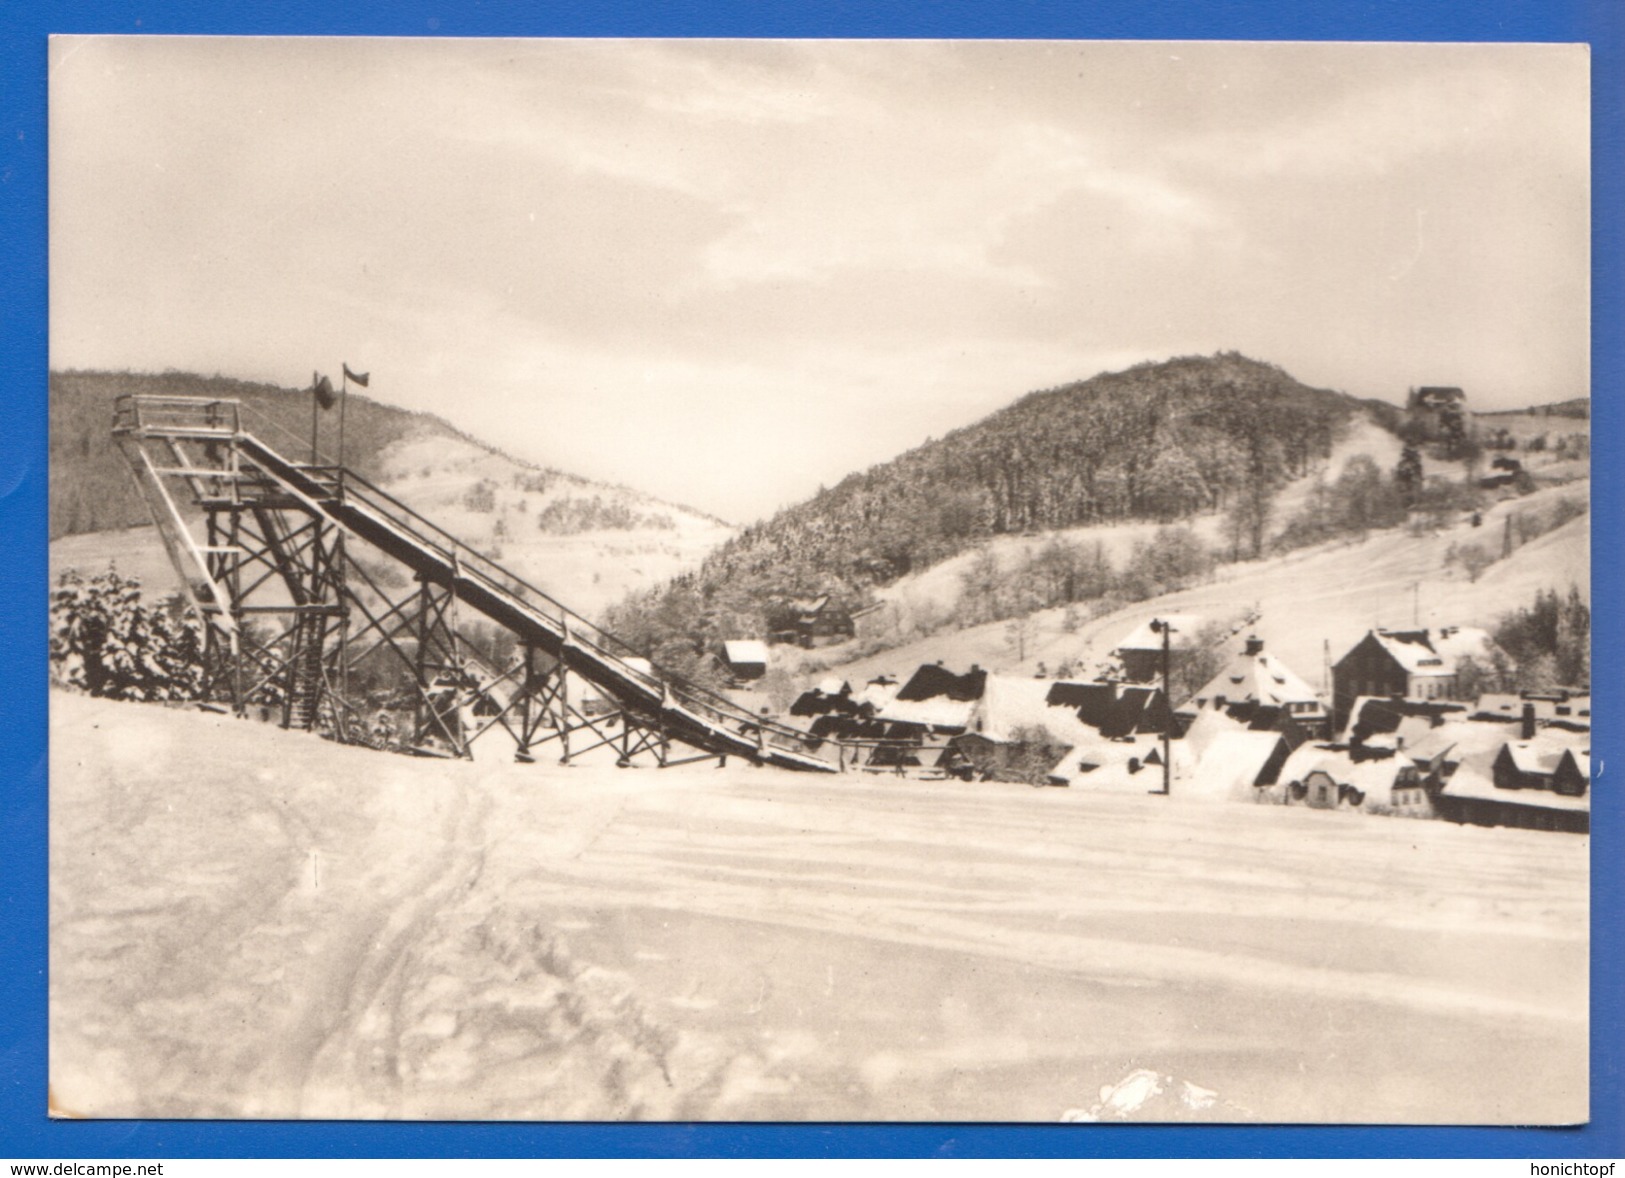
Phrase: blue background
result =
(25, 1131)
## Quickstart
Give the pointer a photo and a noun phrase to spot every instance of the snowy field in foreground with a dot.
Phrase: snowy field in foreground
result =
(247, 922)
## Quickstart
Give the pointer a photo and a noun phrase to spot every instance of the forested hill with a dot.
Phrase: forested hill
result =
(91, 489)
(1160, 441)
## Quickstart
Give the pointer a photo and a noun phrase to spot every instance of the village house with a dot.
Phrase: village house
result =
(1256, 690)
(1141, 652)
(1328, 777)
(1233, 764)
(1386, 724)
(744, 659)
(911, 725)
(1505, 471)
(1013, 733)
(1471, 797)
(1410, 664)
(1542, 764)
(832, 695)
(1437, 411)
(810, 621)
(1492, 773)
(1116, 731)
(1548, 709)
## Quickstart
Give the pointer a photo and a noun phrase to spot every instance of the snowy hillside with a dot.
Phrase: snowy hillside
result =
(1330, 594)
(247, 922)
(588, 544)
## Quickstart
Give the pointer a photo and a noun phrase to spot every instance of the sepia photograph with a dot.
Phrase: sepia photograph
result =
(607, 580)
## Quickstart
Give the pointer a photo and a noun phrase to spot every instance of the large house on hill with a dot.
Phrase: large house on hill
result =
(1141, 651)
(810, 621)
(1438, 410)
(1259, 691)
(1432, 398)
(1409, 664)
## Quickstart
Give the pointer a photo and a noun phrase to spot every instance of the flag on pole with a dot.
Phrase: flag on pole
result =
(359, 377)
(323, 388)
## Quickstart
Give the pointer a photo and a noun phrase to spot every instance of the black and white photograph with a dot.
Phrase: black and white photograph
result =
(607, 580)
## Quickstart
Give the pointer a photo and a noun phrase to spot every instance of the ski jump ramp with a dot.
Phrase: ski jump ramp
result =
(281, 559)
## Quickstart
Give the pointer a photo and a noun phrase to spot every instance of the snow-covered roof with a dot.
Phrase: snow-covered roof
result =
(1370, 714)
(936, 712)
(931, 680)
(1575, 711)
(1435, 652)
(1103, 765)
(745, 650)
(1581, 759)
(833, 685)
(1462, 741)
(1372, 778)
(1009, 703)
(1472, 784)
(1261, 678)
(1209, 725)
(1232, 763)
(1535, 756)
(1145, 638)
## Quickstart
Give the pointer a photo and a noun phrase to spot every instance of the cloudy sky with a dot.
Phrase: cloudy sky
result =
(727, 272)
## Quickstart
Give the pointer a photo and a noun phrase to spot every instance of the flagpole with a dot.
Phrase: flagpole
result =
(344, 396)
(314, 398)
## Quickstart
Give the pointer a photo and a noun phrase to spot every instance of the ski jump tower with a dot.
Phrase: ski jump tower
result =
(308, 578)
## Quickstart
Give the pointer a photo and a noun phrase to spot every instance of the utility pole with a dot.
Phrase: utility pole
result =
(1158, 626)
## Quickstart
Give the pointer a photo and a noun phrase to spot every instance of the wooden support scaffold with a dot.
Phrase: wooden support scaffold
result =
(331, 606)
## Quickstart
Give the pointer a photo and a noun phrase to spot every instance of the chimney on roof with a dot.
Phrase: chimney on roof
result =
(1527, 731)
(1255, 645)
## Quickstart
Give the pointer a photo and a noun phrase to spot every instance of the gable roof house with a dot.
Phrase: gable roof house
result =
(810, 621)
(744, 658)
(1116, 732)
(1141, 651)
(1413, 664)
(1234, 764)
(1259, 691)
(1525, 764)
(934, 700)
(1328, 778)
(1483, 774)
(1471, 796)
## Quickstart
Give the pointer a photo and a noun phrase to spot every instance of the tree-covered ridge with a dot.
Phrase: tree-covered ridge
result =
(1161, 442)
(1157, 442)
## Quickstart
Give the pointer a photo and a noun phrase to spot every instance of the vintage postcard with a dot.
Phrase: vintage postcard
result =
(819, 580)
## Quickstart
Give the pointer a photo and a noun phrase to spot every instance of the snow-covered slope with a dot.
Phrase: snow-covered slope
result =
(1309, 600)
(250, 922)
(586, 543)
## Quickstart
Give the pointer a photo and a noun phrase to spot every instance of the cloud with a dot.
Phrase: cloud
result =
(747, 267)
(1533, 105)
